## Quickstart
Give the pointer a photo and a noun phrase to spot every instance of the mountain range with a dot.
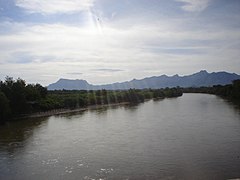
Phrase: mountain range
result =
(202, 78)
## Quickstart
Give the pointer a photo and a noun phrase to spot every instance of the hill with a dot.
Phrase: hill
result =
(202, 78)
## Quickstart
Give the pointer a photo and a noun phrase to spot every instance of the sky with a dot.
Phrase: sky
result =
(105, 41)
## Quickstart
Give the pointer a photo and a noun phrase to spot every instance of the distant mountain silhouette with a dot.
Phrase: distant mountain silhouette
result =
(202, 78)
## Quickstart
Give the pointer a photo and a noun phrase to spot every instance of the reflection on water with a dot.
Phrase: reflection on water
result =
(16, 134)
(196, 136)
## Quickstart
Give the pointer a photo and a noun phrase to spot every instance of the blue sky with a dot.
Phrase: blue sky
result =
(104, 41)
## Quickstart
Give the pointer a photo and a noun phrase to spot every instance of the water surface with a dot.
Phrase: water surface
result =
(195, 136)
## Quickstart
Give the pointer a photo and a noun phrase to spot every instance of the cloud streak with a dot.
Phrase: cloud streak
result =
(54, 6)
(108, 70)
(194, 5)
(75, 73)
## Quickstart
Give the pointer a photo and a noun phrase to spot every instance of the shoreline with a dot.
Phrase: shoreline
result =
(65, 111)
(80, 109)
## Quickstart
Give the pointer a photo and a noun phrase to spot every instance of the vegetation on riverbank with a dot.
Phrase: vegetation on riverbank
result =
(230, 91)
(18, 98)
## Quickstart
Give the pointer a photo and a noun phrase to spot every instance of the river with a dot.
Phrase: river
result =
(196, 136)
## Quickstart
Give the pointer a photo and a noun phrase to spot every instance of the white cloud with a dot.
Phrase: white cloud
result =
(54, 6)
(194, 5)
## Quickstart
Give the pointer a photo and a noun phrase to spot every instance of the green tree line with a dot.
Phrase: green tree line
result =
(18, 98)
(230, 91)
(75, 99)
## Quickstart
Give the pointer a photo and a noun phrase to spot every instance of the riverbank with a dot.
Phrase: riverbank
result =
(65, 111)
(18, 100)
(230, 92)
(75, 110)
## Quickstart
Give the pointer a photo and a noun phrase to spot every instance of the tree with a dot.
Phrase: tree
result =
(42, 90)
(18, 100)
(4, 107)
(236, 89)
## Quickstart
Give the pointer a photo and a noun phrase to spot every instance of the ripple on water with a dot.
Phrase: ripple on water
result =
(15, 144)
(102, 173)
(89, 178)
(69, 170)
(50, 162)
(106, 171)
(82, 163)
